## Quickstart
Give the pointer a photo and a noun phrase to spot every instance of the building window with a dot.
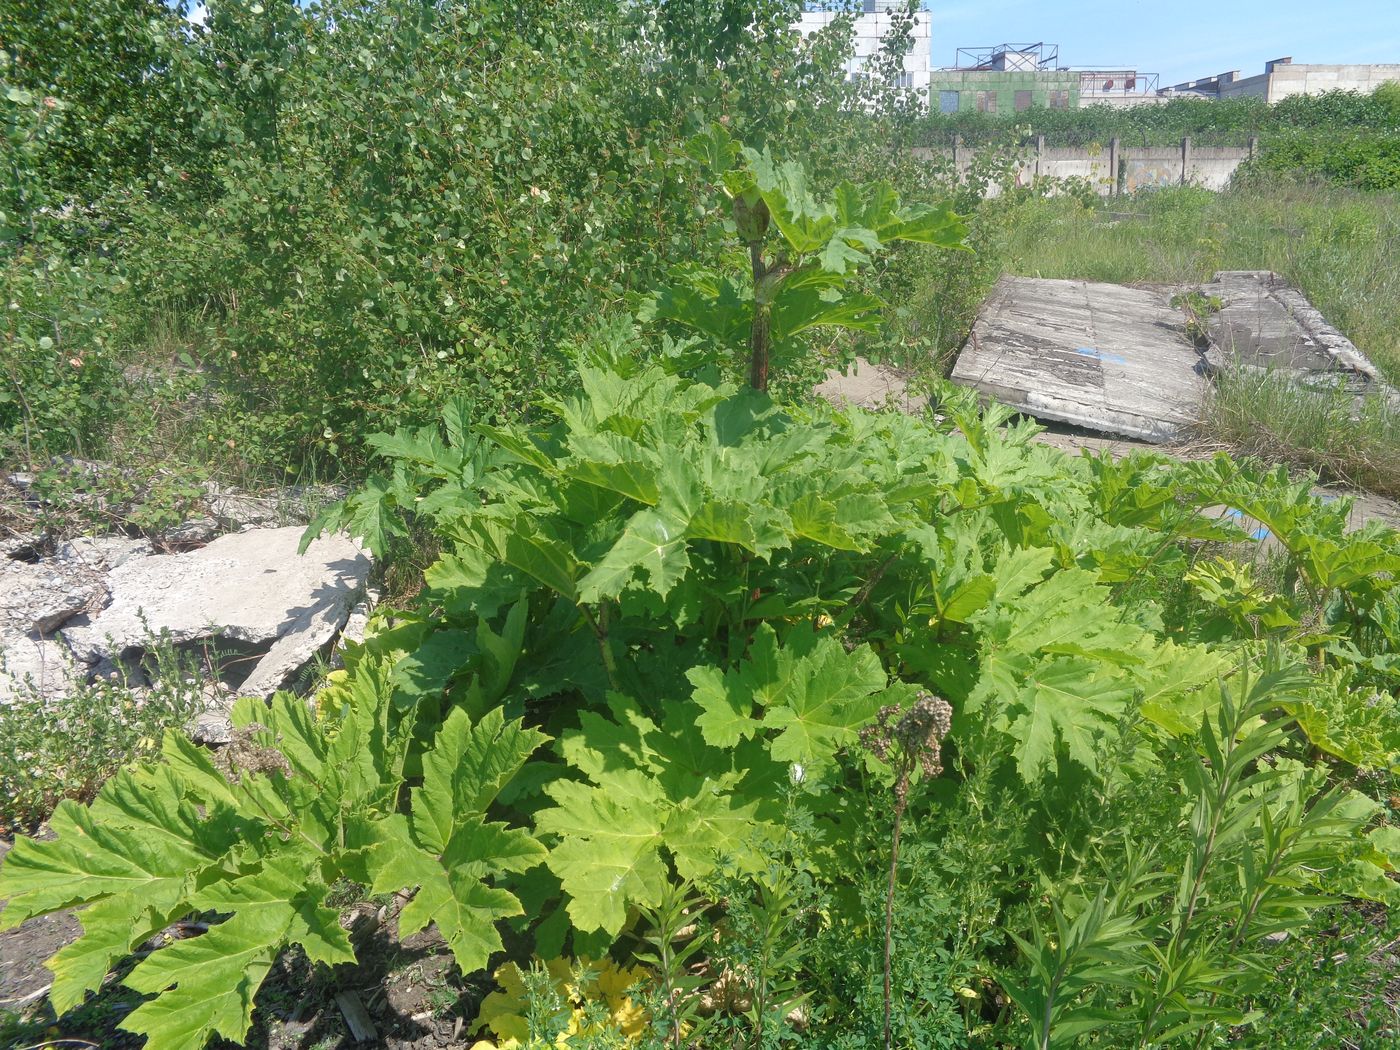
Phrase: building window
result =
(902, 80)
(947, 102)
(1058, 100)
(1023, 101)
(986, 101)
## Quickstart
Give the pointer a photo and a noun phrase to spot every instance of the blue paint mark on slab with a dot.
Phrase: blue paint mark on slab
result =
(1088, 351)
(1261, 533)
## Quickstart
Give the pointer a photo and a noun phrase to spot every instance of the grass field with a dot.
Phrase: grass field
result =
(1341, 247)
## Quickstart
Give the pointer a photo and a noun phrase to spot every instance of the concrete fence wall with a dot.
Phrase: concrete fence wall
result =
(1113, 168)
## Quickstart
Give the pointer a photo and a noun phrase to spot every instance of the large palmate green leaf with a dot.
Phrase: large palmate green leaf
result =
(446, 848)
(297, 802)
(1069, 702)
(653, 794)
(808, 698)
(208, 982)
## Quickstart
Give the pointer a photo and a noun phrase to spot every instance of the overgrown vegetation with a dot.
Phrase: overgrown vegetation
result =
(722, 719)
(1228, 122)
(68, 746)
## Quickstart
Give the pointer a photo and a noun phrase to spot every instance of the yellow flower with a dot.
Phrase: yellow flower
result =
(577, 983)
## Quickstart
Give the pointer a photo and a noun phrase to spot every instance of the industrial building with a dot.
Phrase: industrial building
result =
(871, 26)
(1283, 78)
(1009, 78)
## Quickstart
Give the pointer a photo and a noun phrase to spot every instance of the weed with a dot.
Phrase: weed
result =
(1343, 438)
(68, 747)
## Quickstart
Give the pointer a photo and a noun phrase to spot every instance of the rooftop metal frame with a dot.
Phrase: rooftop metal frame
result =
(1047, 55)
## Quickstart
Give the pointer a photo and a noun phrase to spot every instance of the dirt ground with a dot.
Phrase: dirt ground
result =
(23, 950)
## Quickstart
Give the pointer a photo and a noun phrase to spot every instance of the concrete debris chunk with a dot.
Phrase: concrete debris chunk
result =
(100, 553)
(41, 596)
(250, 587)
(233, 510)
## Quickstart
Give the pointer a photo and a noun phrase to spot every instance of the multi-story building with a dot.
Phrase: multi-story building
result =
(873, 21)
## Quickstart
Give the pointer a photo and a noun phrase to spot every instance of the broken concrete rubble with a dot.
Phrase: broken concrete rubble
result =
(108, 597)
(249, 587)
(36, 597)
(38, 665)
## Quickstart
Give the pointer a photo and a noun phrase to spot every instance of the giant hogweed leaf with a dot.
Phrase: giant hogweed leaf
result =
(131, 893)
(1179, 683)
(1068, 614)
(709, 305)
(815, 695)
(1067, 703)
(843, 252)
(447, 849)
(112, 929)
(818, 520)
(608, 855)
(654, 792)
(832, 693)
(757, 528)
(465, 770)
(524, 545)
(90, 858)
(450, 889)
(209, 981)
(615, 463)
(371, 514)
(929, 224)
(470, 579)
(653, 542)
(874, 206)
(803, 223)
(799, 307)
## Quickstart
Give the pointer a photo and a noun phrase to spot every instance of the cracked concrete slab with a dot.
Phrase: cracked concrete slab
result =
(1103, 356)
(1264, 324)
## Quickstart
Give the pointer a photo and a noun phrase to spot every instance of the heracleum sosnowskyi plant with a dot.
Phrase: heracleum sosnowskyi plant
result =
(696, 593)
(797, 279)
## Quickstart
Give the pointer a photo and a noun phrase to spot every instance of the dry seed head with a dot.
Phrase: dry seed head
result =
(917, 734)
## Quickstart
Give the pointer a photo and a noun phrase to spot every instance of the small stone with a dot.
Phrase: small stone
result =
(196, 530)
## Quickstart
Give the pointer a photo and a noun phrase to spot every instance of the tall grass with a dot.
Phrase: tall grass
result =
(1341, 247)
(1267, 416)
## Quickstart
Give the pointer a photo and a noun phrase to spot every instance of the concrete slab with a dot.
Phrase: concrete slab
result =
(1107, 357)
(1265, 324)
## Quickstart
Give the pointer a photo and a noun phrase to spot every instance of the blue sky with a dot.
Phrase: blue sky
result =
(1182, 40)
